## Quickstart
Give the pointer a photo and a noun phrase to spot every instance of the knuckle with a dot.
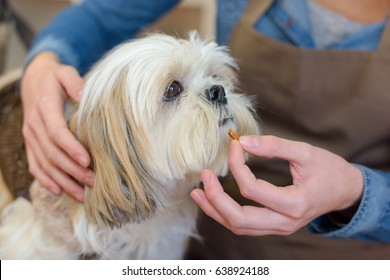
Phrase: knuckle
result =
(52, 155)
(52, 132)
(29, 122)
(64, 69)
(306, 151)
(25, 131)
(43, 103)
(46, 169)
(293, 228)
(246, 191)
(212, 197)
(237, 231)
(289, 228)
(55, 133)
(33, 169)
(236, 223)
(299, 209)
(78, 174)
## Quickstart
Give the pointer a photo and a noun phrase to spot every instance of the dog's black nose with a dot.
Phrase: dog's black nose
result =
(216, 94)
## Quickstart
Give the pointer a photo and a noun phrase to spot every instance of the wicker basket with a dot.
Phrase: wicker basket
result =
(13, 161)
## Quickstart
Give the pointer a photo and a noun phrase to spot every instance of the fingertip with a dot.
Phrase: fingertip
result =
(80, 197)
(79, 96)
(235, 146)
(82, 160)
(236, 155)
(89, 179)
(250, 142)
(234, 142)
(55, 189)
(197, 195)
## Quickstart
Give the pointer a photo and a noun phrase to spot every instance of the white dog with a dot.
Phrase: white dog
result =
(154, 113)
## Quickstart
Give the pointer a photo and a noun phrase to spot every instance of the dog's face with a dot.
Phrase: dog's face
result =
(157, 110)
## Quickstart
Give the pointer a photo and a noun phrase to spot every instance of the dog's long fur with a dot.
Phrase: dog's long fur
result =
(148, 150)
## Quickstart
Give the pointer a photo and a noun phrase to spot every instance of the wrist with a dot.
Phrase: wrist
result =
(343, 217)
(44, 58)
(355, 187)
(40, 64)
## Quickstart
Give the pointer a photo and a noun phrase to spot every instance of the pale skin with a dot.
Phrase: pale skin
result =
(54, 155)
(323, 182)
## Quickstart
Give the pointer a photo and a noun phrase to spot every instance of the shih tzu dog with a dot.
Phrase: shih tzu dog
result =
(155, 112)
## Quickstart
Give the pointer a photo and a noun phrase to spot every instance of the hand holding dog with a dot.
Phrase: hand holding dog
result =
(322, 182)
(52, 150)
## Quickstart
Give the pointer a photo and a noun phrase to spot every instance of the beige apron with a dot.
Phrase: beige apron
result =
(338, 100)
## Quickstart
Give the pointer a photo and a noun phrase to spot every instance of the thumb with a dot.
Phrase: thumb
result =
(275, 147)
(71, 81)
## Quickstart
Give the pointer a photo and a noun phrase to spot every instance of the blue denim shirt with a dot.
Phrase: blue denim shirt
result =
(80, 35)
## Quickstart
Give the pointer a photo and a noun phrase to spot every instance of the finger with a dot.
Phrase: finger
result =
(51, 112)
(45, 166)
(275, 147)
(220, 200)
(279, 199)
(71, 81)
(237, 165)
(36, 171)
(59, 159)
(200, 198)
(56, 155)
(66, 183)
(253, 221)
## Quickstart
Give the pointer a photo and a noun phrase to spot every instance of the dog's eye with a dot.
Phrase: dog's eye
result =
(173, 90)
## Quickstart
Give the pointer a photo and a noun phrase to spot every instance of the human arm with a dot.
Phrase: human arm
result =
(63, 51)
(322, 183)
(52, 150)
(81, 34)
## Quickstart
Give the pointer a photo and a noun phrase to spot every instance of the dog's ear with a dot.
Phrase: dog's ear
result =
(123, 189)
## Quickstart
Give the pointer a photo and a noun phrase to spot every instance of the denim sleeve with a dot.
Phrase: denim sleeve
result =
(81, 34)
(372, 219)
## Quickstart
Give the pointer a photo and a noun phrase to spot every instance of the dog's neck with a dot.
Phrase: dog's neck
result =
(176, 192)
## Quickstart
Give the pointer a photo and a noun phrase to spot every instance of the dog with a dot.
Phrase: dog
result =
(155, 111)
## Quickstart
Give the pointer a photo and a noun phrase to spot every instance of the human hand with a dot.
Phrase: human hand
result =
(322, 182)
(56, 159)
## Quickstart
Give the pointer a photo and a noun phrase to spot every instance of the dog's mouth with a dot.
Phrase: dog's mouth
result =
(224, 116)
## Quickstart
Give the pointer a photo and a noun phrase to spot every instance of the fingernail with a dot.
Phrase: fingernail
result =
(80, 199)
(196, 196)
(249, 142)
(55, 190)
(79, 196)
(82, 160)
(89, 178)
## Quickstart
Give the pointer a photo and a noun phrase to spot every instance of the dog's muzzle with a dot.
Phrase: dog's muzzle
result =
(216, 94)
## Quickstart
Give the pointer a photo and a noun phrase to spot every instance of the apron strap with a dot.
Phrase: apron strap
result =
(256, 9)
(384, 46)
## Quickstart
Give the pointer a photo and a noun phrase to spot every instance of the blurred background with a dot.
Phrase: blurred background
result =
(21, 19)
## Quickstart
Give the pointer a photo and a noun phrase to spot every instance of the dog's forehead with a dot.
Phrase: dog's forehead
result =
(203, 58)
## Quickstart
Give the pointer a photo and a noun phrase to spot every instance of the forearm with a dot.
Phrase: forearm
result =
(371, 221)
(81, 34)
